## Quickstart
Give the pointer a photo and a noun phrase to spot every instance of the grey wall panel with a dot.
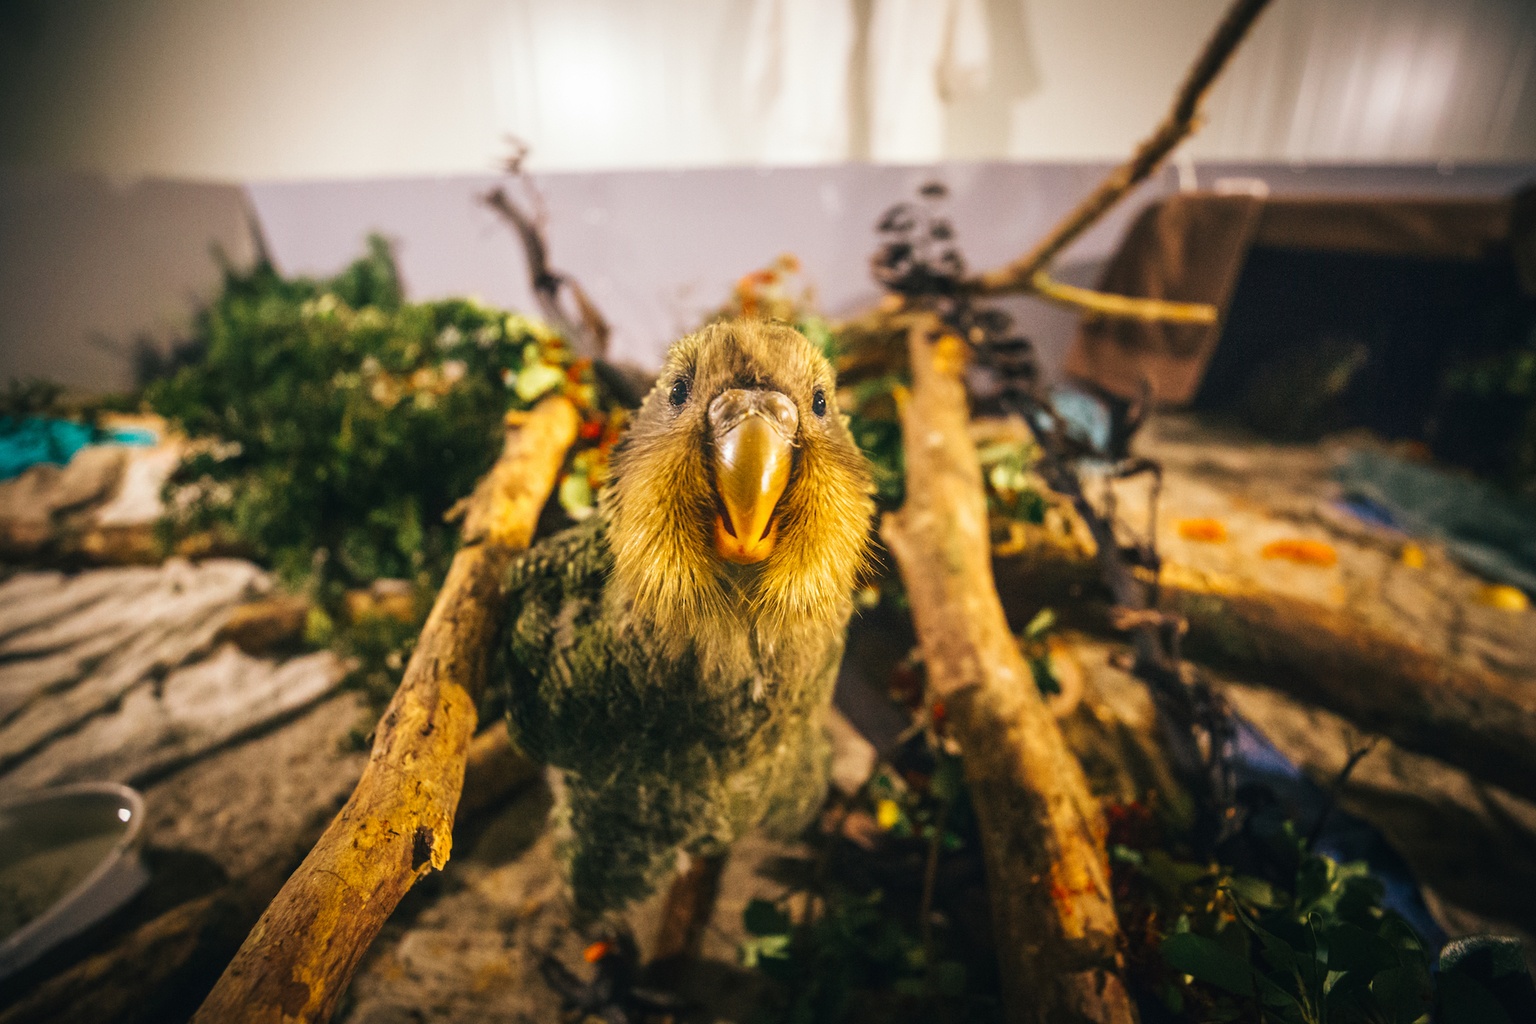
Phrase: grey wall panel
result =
(87, 267)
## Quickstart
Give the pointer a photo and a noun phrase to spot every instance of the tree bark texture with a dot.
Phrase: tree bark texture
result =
(398, 823)
(1476, 720)
(1042, 831)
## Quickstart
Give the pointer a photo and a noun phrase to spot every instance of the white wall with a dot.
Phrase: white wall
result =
(296, 89)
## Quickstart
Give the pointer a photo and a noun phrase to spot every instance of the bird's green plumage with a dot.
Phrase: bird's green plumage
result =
(657, 756)
(682, 698)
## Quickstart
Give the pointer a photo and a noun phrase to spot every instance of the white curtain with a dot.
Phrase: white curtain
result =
(1381, 80)
(923, 56)
(796, 79)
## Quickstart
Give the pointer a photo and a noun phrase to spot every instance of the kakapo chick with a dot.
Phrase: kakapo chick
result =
(673, 656)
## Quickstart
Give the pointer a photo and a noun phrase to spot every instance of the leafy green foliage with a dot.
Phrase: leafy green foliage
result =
(858, 960)
(341, 421)
(876, 428)
(334, 424)
(1496, 395)
(1318, 948)
(889, 929)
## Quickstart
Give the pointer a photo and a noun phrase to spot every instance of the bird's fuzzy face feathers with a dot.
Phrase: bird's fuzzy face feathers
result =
(668, 523)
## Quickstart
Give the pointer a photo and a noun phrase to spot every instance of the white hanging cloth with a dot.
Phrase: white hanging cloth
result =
(795, 72)
(923, 55)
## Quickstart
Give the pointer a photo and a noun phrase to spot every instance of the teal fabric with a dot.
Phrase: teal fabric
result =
(25, 443)
(1487, 530)
(35, 440)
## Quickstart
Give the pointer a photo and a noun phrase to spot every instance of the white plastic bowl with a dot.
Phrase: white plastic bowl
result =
(69, 856)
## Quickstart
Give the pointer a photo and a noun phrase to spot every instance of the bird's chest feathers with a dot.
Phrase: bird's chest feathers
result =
(728, 686)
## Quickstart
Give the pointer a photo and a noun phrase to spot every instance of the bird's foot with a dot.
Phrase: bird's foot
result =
(611, 994)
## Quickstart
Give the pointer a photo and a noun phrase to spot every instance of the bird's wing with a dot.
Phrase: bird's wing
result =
(557, 645)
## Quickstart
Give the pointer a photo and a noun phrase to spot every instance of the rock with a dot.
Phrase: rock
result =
(1265, 492)
(137, 499)
(30, 502)
(853, 756)
(221, 835)
(257, 806)
(262, 626)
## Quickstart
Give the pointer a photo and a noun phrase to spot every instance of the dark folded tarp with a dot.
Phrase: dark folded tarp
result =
(1192, 247)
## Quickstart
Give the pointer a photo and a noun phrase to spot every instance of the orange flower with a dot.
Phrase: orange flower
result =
(595, 952)
(1302, 552)
(1208, 531)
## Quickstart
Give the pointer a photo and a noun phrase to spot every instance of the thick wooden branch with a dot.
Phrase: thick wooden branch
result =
(1182, 120)
(1480, 722)
(398, 823)
(1042, 830)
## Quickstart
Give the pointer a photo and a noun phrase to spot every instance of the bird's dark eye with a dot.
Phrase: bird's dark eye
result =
(679, 391)
(819, 402)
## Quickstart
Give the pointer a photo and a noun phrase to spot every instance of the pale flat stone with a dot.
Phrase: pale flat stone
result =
(162, 628)
(196, 709)
(137, 501)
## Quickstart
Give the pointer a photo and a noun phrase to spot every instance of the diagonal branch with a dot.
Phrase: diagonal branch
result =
(397, 826)
(1182, 121)
(1042, 831)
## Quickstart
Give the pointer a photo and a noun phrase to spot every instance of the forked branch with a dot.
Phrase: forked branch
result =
(1182, 120)
(587, 329)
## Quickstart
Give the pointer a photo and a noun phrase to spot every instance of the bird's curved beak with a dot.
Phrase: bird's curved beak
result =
(754, 438)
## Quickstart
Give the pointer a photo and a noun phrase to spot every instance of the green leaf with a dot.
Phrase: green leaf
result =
(1206, 961)
(1351, 948)
(1041, 624)
(1402, 993)
(576, 496)
(756, 950)
(537, 379)
(1255, 892)
(764, 918)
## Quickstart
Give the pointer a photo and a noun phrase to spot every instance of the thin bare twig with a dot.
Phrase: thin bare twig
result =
(1106, 304)
(1335, 788)
(587, 329)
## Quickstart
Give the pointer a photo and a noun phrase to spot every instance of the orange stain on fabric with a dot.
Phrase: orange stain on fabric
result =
(1302, 552)
(1206, 531)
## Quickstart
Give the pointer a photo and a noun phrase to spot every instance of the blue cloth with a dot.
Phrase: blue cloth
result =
(1344, 837)
(37, 440)
(1488, 531)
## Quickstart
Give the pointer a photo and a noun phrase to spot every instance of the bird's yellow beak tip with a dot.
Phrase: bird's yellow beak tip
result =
(752, 463)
